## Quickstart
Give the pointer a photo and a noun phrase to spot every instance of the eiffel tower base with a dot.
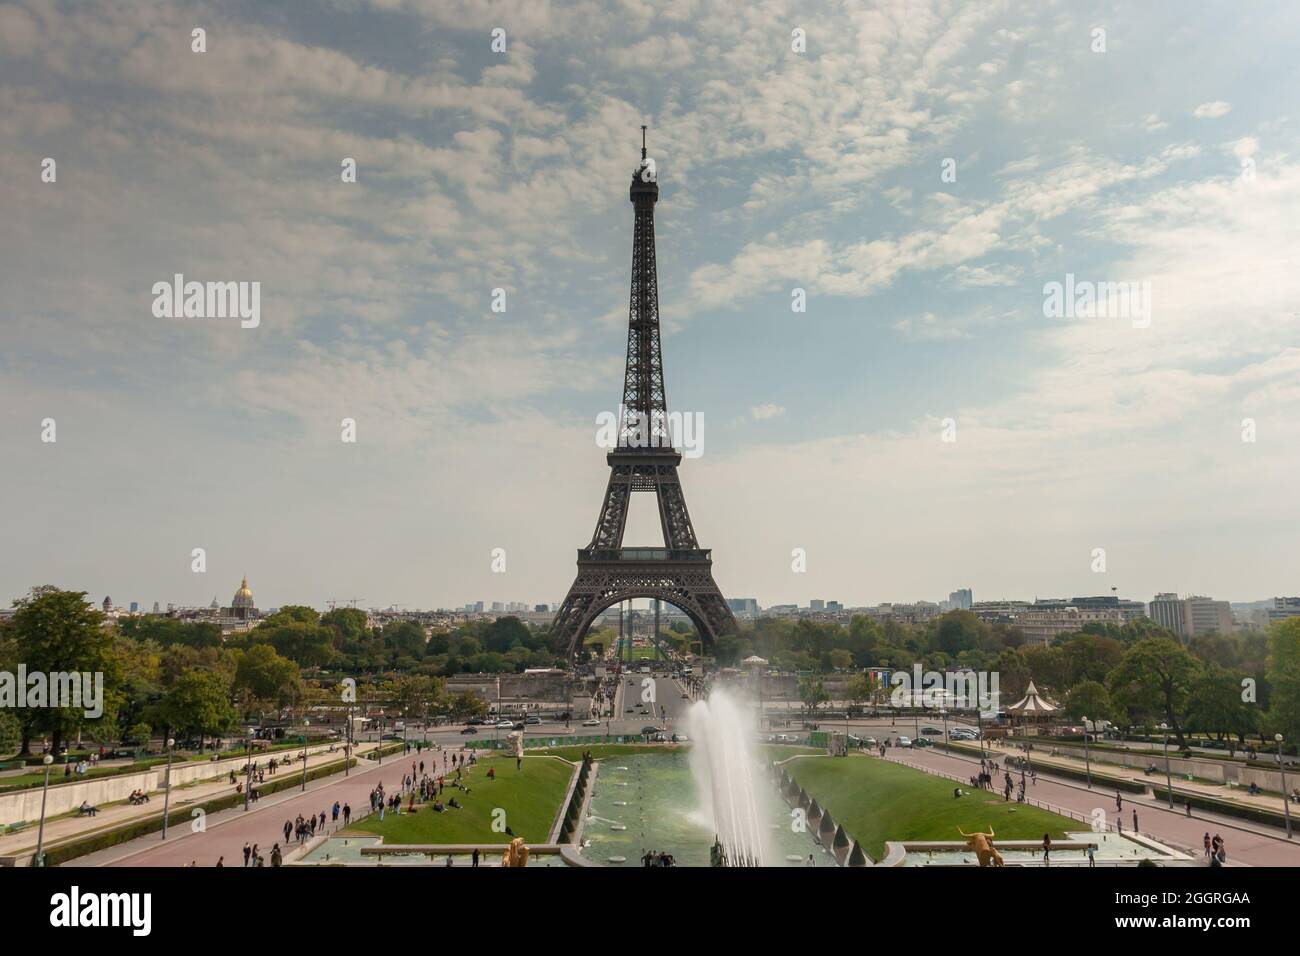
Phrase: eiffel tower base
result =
(682, 578)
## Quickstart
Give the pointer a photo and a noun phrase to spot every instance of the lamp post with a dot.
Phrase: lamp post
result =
(347, 746)
(1286, 801)
(380, 749)
(1169, 781)
(303, 738)
(248, 769)
(48, 759)
(1087, 766)
(167, 787)
(943, 712)
(979, 724)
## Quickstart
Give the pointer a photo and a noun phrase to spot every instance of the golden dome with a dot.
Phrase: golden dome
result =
(243, 597)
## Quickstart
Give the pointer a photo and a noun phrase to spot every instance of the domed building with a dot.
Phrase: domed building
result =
(242, 606)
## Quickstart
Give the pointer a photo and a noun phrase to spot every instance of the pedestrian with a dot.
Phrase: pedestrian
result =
(288, 828)
(1119, 803)
(221, 862)
(1135, 820)
(475, 858)
(1206, 841)
(275, 855)
(1047, 849)
(1187, 805)
(347, 813)
(1092, 859)
(248, 851)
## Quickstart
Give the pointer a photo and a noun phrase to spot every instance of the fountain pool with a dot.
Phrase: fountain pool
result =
(651, 801)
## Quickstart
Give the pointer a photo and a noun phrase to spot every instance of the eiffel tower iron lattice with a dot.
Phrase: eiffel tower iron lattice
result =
(681, 572)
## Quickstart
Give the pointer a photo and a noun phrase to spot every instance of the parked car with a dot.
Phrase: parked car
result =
(506, 724)
(593, 722)
(475, 722)
(653, 730)
(532, 719)
(904, 742)
(931, 732)
(470, 730)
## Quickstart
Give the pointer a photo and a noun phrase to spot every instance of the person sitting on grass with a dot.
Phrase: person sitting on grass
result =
(438, 807)
(86, 809)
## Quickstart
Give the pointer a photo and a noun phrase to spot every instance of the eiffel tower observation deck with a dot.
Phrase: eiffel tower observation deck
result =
(681, 572)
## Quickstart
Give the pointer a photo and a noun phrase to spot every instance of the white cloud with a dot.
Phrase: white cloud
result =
(1212, 110)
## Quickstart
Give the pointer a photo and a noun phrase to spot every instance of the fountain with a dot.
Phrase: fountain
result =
(727, 777)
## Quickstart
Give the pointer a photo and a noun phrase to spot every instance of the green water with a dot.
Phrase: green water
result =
(653, 796)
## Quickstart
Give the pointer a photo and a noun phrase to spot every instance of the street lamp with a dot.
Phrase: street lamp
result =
(347, 746)
(48, 759)
(248, 769)
(1169, 782)
(303, 738)
(167, 787)
(943, 712)
(380, 749)
(1286, 801)
(1087, 766)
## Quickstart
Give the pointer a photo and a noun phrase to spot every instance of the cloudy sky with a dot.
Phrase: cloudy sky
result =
(1166, 151)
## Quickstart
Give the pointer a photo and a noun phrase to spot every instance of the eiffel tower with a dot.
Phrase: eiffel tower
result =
(681, 572)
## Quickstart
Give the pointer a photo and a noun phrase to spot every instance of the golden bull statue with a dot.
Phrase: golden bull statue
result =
(516, 853)
(982, 844)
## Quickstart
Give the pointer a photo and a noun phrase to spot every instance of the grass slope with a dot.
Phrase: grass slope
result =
(530, 797)
(877, 801)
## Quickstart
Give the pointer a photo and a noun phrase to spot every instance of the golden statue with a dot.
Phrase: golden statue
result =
(982, 844)
(516, 853)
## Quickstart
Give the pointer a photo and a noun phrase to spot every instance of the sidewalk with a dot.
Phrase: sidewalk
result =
(110, 816)
(1044, 759)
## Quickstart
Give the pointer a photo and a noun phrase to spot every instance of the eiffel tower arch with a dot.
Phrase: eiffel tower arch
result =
(645, 461)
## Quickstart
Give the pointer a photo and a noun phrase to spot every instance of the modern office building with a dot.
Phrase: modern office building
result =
(961, 599)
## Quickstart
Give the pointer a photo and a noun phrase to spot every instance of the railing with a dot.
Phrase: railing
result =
(643, 554)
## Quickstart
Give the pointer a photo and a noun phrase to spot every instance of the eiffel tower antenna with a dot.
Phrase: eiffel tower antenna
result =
(680, 573)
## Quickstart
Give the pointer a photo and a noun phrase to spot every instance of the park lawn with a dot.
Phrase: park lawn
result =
(531, 798)
(877, 801)
(600, 751)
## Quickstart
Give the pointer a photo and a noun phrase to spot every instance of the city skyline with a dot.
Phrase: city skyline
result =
(922, 173)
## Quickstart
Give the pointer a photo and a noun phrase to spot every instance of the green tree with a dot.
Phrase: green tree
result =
(263, 675)
(60, 632)
(1089, 699)
(1216, 706)
(199, 703)
(1154, 678)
